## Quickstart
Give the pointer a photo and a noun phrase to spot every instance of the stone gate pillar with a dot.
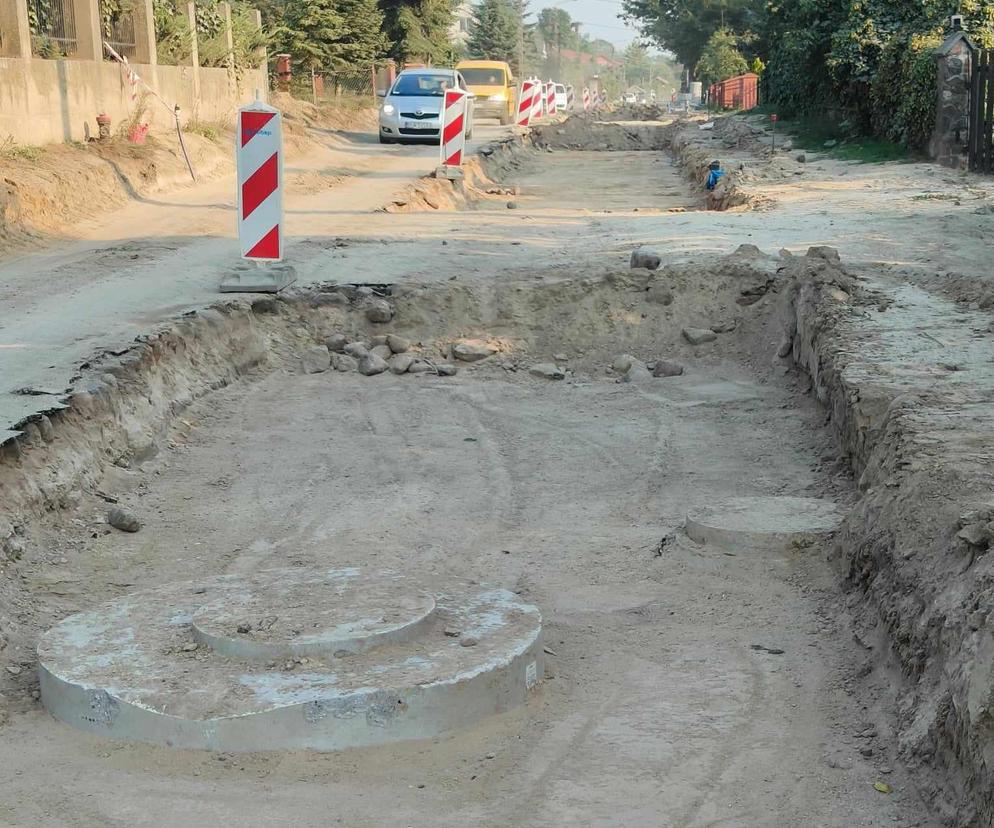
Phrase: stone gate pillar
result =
(950, 138)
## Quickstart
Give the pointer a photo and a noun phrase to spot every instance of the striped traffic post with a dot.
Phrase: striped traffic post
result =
(550, 98)
(586, 99)
(525, 103)
(259, 161)
(259, 173)
(538, 99)
(570, 98)
(453, 127)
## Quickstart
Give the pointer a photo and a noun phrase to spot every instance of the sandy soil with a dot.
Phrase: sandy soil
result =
(657, 710)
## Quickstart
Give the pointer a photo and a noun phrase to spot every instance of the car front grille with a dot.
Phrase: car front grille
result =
(422, 117)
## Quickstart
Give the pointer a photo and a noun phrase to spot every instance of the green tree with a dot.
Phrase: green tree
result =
(307, 29)
(721, 58)
(638, 67)
(495, 35)
(684, 27)
(419, 30)
(556, 28)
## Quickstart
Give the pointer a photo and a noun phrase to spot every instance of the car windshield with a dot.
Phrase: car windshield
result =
(484, 77)
(560, 89)
(418, 85)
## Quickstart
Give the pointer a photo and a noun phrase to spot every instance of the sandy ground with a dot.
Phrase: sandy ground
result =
(657, 711)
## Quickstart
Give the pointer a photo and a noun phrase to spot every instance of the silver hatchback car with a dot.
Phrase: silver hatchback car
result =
(410, 109)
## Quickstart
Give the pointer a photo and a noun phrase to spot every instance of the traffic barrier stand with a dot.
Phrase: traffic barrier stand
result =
(586, 99)
(550, 99)
(453, 134)
(570, 98)
(538, 99)
(526, 103)
(259, 162)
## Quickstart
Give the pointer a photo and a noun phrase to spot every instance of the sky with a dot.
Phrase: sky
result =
(599, 18)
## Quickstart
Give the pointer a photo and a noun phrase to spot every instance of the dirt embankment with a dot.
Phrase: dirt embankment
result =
(906, 376)
(45, 191)
(480, 182)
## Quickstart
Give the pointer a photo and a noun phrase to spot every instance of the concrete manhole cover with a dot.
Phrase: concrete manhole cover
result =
(772, 522)
(291, 659)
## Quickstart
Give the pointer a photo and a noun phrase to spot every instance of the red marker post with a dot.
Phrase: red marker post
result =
(773, 120)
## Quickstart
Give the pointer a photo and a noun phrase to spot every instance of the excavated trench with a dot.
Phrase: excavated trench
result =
(656, 461)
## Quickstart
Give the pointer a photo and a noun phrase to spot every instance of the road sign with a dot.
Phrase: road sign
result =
(259, 160)
(453, 127)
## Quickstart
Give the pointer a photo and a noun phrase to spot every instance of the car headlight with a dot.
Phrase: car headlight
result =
(387, 109)
(499, 97)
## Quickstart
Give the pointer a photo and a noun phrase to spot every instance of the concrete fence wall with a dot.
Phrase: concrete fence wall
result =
(46, 101)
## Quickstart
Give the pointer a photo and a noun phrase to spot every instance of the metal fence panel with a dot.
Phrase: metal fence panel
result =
(53, 28)
(117, 24)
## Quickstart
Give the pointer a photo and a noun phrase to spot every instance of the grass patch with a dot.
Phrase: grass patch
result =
(11, 150)
(205, 129)
(837, 139)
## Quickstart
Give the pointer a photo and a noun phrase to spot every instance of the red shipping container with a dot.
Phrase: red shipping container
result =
(741, 92)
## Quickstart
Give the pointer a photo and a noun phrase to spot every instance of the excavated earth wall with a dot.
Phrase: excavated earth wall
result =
(908, 380)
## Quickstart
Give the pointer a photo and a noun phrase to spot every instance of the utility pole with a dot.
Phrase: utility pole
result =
(521, 38)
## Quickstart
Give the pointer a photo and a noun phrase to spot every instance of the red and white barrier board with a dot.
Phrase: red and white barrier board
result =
(453, 142)
(570, 98)
(586, 99)
(526, 104)
(259, 161)
(538, 98)
(550, 98)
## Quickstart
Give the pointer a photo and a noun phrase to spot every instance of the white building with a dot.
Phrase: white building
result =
(462, 26)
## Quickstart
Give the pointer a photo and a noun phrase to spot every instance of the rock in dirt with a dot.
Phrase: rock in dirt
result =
(336, 343)
(546, 370)
(637, 373)
(419, 366)
(698, 336)
(512, 205)
(665, 368)
(659, 295)
(446, 369)
(123, 519)
(724, 327)
(344, 362)
(400, 363)
(382, 351)
(46, 428)
(371, 364)
(315, 360)
(265, 304)
(379, 311)
(380, 339)
(622, 364)
(801, 158)
(398, 344)
(472, 350)
(355, 349)
(649, 259)
(829, 254)
(786, 346)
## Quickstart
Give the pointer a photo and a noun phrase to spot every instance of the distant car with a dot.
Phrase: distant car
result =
(562, 99)
(410, 109)
(629, 98)
(492, 83)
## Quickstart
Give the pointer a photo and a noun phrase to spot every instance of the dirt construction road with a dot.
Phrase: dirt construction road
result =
(687, 686)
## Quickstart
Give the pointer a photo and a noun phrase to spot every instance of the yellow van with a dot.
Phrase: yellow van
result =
(492, 84)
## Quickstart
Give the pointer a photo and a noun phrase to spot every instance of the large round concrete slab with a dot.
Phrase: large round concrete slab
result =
(134, 669)
(773, 522)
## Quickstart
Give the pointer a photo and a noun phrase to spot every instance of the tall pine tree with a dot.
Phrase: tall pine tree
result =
(419, 30)
(495, 34)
